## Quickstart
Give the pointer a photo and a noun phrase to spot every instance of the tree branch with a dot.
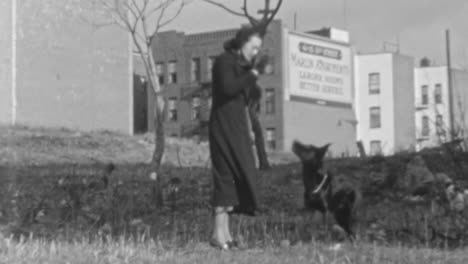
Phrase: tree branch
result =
(121, 19)
(174, 17)
(275, 11)
(265, 19)
(136, 15)
(158, 23)
(226, 8)
(156, 8)
(252, 20)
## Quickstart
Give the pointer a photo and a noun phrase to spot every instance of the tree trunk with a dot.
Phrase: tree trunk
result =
(159, 137)
(259, 139)
(159, 143)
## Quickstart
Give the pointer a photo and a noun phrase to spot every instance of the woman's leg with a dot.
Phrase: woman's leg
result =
(219, 228)
(226, 225)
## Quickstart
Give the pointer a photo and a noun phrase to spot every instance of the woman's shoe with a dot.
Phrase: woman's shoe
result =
(216, 244)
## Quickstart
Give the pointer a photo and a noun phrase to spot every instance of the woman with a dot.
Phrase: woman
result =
(259, 141)
(234, 172)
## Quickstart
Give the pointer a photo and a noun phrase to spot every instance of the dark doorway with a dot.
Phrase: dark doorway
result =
(140, 104)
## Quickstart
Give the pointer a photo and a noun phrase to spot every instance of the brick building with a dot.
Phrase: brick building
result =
(57, 70)
(184, 66)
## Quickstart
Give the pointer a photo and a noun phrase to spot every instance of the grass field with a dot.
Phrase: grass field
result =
(37, 251)
(55, 208)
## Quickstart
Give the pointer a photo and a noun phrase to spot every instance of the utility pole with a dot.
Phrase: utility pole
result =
(345, 18)
(449, 85)
(295, 20)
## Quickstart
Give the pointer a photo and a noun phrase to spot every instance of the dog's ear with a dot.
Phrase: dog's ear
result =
(304, 152)
(322, 151)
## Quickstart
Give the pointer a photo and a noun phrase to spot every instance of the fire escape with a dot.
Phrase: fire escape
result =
(199, 97)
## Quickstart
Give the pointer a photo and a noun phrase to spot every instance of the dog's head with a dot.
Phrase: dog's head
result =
(310, 155)
(312, 164)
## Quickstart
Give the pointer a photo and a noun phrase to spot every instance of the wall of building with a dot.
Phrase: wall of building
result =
(315, 124)
(430, 76)
(273, 46)
(403, 79)
(364, 65)
(460, 100)
(71, 74)
(6, 85)
(176, 46)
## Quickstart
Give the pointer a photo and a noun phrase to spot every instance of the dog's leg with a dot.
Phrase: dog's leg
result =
(326, 220)
(326, 214)
(344, 220)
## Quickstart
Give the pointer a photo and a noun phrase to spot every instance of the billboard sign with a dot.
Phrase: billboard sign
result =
(318, 68)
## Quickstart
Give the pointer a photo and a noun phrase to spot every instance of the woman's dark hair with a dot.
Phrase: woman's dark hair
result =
(242, 36)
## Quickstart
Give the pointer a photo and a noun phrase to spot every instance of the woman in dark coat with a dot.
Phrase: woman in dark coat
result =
(234, 172)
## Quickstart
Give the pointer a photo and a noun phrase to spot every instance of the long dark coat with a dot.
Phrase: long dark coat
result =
(254, 107)
(234, 172)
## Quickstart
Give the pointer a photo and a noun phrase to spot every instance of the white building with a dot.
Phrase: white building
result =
(384, 101)
(432, 101)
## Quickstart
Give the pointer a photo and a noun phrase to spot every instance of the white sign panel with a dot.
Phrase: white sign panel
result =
(319, 69)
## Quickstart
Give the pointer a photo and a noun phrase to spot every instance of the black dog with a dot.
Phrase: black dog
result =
(325, 191)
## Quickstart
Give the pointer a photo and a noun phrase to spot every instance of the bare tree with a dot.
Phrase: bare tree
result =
(143, 19)
(266, 15)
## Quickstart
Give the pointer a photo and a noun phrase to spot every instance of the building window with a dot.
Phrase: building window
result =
(438, 93)
(374, 117)
(374, 83)
(196, 107)
(172, 72)
(375, 147)
(211, 60)
(271, 138)
(195, 70)
(159, 72)
(424, 95)
(209, 102)
(440, 125)
(172, 109)
(270, 100)
(425, 126)
(270, 67)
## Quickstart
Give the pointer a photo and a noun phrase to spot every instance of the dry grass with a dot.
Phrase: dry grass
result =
(127, 251)
(38, 146)
(35, 146)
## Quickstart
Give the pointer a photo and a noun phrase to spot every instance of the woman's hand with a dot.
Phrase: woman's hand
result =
(255, 72)
(260, 63)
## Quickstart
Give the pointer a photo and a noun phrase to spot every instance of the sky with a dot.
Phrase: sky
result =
(417, 25)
